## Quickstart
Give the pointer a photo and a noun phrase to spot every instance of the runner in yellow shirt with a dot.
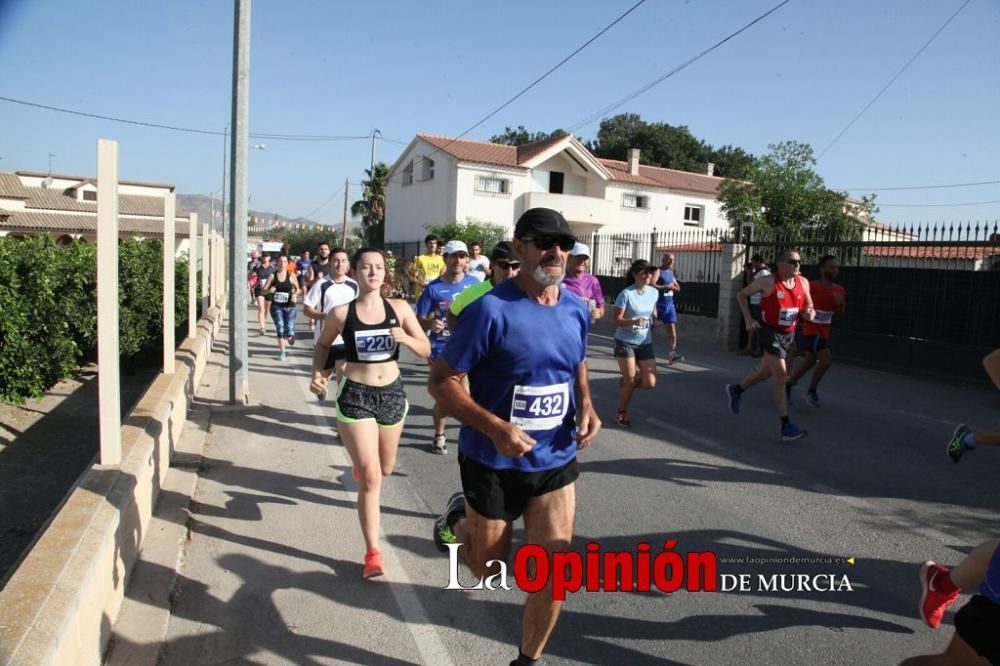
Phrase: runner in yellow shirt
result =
(427, 266)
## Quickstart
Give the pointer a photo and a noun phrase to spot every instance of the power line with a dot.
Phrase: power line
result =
(322, 205)
(679, 68)
(542, 77)
(893, 79)
(949, 205)
(190, 130)
(919, 187)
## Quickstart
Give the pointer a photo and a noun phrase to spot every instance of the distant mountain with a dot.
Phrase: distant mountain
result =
(202, 205)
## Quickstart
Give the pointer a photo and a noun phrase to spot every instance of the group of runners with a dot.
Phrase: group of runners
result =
(522, 393)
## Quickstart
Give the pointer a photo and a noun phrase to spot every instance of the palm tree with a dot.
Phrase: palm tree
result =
(371, 207)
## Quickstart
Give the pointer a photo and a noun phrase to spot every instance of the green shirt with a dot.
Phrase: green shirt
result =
(467, 296)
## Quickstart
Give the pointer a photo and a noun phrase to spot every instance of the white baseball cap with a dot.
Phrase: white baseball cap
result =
(455, 246)
(579, 250)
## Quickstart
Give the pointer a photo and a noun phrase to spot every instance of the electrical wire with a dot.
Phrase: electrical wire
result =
(918, 187)
(892, 80)
(655, 82)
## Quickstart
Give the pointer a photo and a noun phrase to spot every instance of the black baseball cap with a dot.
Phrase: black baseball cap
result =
(542, 222)
(641, 266)
(503, 251)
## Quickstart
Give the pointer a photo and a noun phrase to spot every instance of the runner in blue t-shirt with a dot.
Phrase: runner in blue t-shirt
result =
(634, 309)
(666, 283)
(523, 347)
(432, 313)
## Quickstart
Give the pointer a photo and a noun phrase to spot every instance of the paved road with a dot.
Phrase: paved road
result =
(272, 571)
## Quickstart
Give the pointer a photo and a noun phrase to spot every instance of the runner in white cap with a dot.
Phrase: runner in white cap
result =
(581, 282)
(432, 313)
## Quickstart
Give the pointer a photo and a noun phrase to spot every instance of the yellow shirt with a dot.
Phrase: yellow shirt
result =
(428, 267)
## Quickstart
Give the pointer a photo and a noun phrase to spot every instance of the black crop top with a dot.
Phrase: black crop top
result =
(370, 343)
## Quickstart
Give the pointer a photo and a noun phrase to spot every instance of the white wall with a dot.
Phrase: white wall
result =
(493, 209)
(666, 210)
(410, 208)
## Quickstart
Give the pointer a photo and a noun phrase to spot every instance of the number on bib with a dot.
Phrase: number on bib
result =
(823, 317)
(787, 316)
(374, 345)
(539, 407)
(281, 297)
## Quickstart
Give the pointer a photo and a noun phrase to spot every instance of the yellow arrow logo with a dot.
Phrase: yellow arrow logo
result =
(850, 560)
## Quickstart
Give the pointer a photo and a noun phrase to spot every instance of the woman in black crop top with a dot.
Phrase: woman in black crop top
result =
(282, 286)
(371, 402)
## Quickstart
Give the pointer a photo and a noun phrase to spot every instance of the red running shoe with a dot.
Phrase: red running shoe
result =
(622, 418)
(373, 564)
(934, 602)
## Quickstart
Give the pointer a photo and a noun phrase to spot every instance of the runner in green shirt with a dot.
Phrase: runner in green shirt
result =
(506, 265)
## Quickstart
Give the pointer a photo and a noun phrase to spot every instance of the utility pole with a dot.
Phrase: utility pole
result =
(239, 370)
(222, 213)
(347, 189)
(371, 171)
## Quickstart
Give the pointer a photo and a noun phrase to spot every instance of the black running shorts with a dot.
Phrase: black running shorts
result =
(386, 405)
(814, 344)
(503, 494)
(775, 342)
(977, 622)
(638, 352)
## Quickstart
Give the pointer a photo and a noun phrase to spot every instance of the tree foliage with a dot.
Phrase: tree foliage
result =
(520, 136)
(782, 194)
(371, 206)
(48, 308)
(300, 240)
(665, 145)
(469, 231)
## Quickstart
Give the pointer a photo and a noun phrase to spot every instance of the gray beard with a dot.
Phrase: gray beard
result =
(546, 280)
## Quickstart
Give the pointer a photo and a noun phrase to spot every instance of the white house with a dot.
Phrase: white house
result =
(65, 207)
(438, 180)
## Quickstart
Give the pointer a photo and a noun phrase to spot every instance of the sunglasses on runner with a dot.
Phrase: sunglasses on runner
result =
(508, 265)
(793, 262)
(544, 243)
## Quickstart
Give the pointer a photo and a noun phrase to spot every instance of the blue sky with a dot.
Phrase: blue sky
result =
(338, 68)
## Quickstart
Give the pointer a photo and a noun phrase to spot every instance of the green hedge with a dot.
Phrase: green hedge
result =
(48, 308)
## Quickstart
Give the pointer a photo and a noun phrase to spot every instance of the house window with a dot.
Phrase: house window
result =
(428, 169)
(89, 195)
(633, 201)
(693, 215)
(492, 186)
(408, 174)
(556, 180)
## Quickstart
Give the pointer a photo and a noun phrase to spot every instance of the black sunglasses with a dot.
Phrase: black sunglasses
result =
(508, 265)
(793, 262)
(543, 243)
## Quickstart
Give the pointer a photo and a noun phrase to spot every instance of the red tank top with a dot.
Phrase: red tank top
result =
(825, 301)
(781, 307)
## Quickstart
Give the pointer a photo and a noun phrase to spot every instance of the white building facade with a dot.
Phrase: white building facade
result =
(438, 180)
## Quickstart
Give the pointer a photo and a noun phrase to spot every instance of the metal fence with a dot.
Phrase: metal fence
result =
(697, 263)
(919, 298)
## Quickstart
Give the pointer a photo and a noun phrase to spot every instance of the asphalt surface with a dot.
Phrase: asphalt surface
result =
(272, 572)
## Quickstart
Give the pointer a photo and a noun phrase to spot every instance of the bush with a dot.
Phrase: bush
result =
(487, 235)
(48, 308)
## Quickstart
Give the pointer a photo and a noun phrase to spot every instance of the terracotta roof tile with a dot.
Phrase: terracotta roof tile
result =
(530, 150)
(68, 222)
(11, 187)
(38, 198)
(673, 179)
(481, 152)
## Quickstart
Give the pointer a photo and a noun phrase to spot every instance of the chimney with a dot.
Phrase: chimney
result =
(633, 161)
(710, 168)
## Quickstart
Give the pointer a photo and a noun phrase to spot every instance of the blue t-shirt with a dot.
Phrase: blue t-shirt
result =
(637, 305)
(666, 277)
(304, 265)
(521, 358)
(436, 299)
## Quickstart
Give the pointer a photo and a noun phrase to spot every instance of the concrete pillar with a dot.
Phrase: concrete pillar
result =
(730, 281)
(108, 378)
(205, 272)
(193, 276)
(169, 282)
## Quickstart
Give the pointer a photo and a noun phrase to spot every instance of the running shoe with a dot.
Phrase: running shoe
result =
(812, 398)
(674, 357)
(373, 564)
(934, 602)
(443, 533)
(957, 445)
(321, 395)
(440, 445)
(791, 432)
(623, 419)
(734, 398)
(291, 340)
(263, 331)
(281, 356)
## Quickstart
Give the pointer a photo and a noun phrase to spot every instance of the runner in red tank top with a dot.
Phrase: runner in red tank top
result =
(785, 298)
(829, 299)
